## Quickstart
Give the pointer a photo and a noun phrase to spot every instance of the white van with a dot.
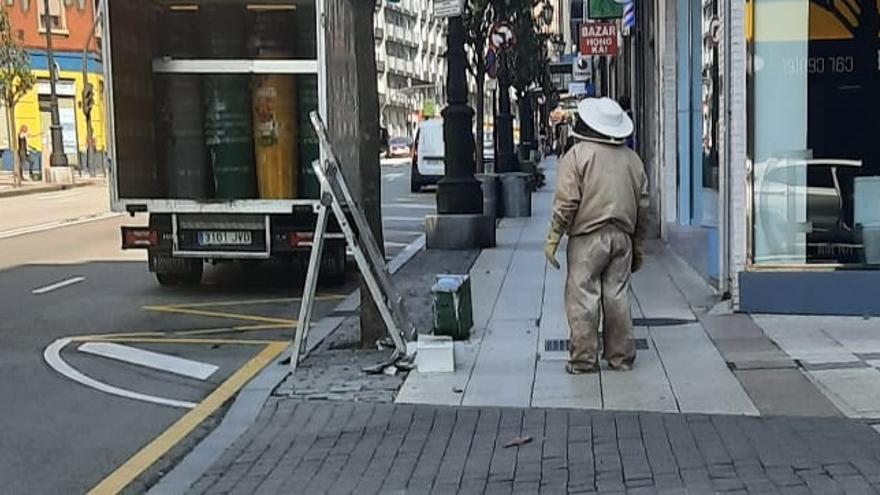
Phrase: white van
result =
(427, 162)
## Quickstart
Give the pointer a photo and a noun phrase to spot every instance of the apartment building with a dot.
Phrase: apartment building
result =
(410, 48)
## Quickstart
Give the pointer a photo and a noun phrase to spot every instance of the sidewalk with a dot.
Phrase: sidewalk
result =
(714, 403)
(8, 189)
(517, 354)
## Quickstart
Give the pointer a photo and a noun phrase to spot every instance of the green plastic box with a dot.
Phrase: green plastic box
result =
(453, 309)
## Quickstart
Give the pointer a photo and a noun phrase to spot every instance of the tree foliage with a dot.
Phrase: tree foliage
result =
(16, 78)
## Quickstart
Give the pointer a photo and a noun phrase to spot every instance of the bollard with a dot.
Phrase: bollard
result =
(517, 199)
(491, 203)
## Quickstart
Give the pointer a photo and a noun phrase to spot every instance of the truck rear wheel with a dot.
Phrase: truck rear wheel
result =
(333, 264)
(192, 277)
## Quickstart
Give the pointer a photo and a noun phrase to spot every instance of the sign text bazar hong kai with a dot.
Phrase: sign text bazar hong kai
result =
(599, 38)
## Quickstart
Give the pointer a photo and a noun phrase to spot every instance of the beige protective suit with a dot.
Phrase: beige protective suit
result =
(601, 203)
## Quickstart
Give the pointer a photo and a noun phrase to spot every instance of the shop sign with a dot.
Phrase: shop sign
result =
(581, 68)
(604, 9)
(599, 38)
(448, 8)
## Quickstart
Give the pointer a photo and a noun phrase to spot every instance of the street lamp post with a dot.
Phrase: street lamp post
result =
(58, 158)
(458, 192)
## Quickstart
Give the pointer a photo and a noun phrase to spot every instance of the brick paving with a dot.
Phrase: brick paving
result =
(364, 448)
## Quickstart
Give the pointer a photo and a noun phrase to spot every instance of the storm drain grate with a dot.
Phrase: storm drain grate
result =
(563, 345)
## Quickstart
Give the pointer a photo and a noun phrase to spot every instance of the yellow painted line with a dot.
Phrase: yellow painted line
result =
(157, 340)
(219, 314)
(220, 304)
(238, 329)
(146, 457)
(80, 338)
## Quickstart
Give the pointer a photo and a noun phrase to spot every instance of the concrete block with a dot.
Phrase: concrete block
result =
(435, 354)
(459, 231)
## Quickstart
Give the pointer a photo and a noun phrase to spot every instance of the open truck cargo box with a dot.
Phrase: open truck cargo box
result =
(209, 104)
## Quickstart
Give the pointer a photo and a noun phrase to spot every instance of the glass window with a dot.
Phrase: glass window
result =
(815, 122)
(57, 15)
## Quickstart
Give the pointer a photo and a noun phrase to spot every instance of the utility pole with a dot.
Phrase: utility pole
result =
(458, 191)
(58, 158)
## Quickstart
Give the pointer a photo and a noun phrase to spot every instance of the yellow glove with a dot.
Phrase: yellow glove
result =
(551, 246)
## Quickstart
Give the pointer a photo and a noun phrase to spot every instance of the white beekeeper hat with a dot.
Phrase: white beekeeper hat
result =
(605, 116)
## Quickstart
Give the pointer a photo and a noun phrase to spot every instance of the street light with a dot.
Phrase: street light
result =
(58, 158)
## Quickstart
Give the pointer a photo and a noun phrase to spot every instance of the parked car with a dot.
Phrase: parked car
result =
(427, 157)
(399, 147)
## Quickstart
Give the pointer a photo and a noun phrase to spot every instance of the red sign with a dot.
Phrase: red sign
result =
(599, 38)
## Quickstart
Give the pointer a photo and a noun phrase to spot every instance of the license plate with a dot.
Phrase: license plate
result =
(225, 238)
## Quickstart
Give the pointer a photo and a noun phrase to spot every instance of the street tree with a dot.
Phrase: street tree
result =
(16, 79)
(353, 123)
(477, 21)
(530, 61)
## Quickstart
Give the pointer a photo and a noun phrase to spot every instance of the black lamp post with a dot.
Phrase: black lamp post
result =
(458, 191)
(58, 158)
(506, 159)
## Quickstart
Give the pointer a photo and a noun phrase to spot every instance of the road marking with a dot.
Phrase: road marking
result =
(420, 206)
(146, 457)
(150, 359)
(219, 314)
(56, 224)
(247, 302)
(57, 285)
(159, 340)
(52, 356)
(396, 244)
(403, 219)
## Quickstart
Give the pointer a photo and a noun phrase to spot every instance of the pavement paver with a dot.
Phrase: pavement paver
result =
(383, 448)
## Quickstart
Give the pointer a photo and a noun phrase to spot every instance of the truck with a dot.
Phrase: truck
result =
(208, 131)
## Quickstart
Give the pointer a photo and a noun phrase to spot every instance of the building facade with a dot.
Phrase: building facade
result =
(410, 44)
(72, 21)
(769, 174)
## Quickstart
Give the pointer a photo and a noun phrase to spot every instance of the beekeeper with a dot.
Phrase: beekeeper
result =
(601, 203)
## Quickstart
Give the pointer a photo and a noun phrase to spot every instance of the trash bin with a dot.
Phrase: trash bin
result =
(453, 310)
(491, 203)
(517, 199)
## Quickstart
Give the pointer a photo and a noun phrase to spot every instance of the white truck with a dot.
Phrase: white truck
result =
(208, 130)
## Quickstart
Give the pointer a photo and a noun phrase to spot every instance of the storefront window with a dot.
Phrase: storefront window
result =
(815, 128)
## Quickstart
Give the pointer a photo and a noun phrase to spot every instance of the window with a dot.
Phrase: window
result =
(57, 15)
(810, 143)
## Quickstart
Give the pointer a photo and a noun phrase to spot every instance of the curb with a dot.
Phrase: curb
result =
(24, 191)
(250, 400)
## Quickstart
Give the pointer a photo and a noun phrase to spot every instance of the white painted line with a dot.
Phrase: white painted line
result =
(52, 355)
(403, 219)
(393, 177)
(54, 225)
(395, 244)
(150, 359)
(57, 285)
(420, 206)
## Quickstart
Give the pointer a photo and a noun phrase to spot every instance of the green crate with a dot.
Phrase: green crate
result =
(453, 309)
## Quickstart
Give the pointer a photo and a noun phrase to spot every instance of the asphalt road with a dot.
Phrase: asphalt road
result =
(63, 276)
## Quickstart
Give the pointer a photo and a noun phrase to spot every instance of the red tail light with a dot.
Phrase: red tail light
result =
(299, 239)
(134, 237)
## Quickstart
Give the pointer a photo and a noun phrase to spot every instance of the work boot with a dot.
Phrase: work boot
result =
(621, 366)
(574, 369)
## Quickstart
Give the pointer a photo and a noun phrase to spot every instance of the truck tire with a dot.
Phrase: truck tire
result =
(191, 278)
